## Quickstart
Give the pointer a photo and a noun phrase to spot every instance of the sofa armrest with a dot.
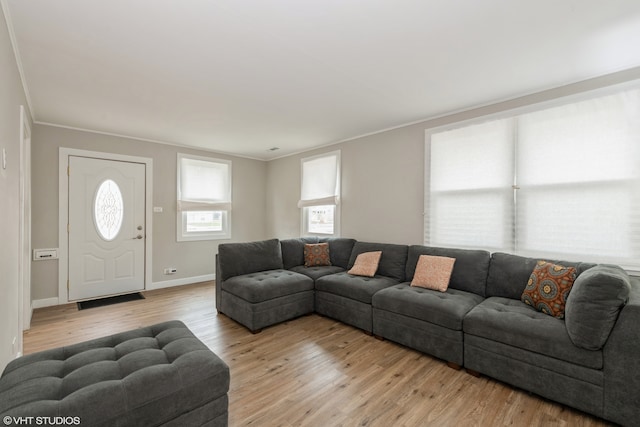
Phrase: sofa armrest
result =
(622, 363)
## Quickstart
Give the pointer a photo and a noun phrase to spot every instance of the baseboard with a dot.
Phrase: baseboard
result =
(47, 302)
(180, 282)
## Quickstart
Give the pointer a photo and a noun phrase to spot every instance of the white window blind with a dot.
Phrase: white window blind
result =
(471, 187)
(203, 184)
(579, 177)
(320, 180)
(203, 198)
(320, 194)
(575, 172)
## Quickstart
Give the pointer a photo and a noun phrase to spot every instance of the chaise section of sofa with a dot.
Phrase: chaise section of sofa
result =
(508, 340)
(427, 320)
(254, 289)
(347, 297)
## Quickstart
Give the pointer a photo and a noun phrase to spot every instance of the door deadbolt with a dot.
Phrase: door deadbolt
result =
(139, 227)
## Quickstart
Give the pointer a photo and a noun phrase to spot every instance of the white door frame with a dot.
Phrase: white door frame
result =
(24, 256)
(63, 204)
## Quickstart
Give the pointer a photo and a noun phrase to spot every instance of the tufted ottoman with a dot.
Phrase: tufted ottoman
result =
(152, 376)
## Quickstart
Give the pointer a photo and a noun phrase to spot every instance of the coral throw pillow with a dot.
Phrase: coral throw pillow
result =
(433, 272)
(366, 264)
(316, 255)
(548, 288)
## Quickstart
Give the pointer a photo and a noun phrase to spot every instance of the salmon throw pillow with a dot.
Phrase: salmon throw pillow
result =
(366, 264)
(433, 272)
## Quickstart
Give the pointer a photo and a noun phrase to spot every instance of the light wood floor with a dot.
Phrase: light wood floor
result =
(313, 371)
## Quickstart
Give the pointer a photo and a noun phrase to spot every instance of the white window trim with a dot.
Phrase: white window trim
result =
(305, 205)
(182, 206)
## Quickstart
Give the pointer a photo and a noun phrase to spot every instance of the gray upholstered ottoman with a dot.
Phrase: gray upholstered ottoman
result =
(158, 375)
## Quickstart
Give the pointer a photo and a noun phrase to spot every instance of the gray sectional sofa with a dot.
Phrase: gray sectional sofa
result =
(590, 360)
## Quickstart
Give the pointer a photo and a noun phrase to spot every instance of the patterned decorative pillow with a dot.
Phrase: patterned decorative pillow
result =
(316, 255)
(548, 288)
(366, 264)
(433, 272)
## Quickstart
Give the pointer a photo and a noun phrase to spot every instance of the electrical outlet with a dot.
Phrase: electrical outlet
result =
(170, 270)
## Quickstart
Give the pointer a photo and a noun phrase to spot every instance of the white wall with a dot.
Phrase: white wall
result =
(12, 96)
(192, 259)
(381, 198)
(383, 174)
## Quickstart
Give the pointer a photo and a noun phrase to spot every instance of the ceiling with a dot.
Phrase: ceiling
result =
(244, 76)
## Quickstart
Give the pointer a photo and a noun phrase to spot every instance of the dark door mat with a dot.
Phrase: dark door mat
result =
(109, 300)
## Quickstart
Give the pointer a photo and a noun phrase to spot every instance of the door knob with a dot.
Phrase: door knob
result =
(139, 236)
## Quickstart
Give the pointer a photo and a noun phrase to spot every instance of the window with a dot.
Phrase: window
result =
(204, 198)
(108, 210)
(471, 187)
(561, 182)
(320, 194)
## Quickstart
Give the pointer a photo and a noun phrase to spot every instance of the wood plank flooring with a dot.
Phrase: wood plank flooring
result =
(313, 371)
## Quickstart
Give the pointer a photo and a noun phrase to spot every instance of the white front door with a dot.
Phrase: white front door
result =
(106, 227)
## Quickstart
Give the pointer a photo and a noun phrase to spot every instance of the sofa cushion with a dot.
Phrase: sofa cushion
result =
(366, 264)
(392, 262)
(358, 288)
(316, 255)
(548, 288)
(339, 250)
(445, 309)
(469, 272)
(293, 251)
(514, 323)
(594, 303)
(266, 285)
(249, 257)
(509, 274)
(317, 272)
(433, 272)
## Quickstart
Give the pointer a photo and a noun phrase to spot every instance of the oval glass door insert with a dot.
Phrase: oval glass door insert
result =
(107, 210)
